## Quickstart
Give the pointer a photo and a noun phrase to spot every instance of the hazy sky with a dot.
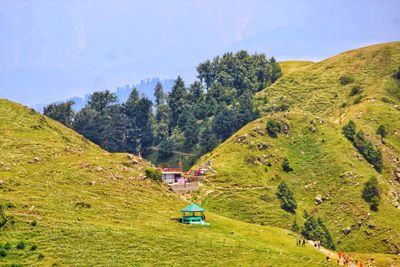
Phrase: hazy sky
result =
(52, 50)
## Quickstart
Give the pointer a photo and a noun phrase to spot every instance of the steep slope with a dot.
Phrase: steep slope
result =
(325, 164)
(73, 204)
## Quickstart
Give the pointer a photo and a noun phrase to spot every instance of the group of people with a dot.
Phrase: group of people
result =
(317, 244)
(344, 260)
(300, 242)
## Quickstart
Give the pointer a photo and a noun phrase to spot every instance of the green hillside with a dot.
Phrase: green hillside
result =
(69, 203)
(289, 66)
(313, 105)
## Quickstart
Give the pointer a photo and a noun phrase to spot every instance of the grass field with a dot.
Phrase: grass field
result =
(73, 204)
(324, 162)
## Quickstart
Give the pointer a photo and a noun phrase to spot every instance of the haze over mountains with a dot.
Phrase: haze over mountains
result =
(146, 87)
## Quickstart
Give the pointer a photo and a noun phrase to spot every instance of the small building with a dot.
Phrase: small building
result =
(171, 176)
(193, 214)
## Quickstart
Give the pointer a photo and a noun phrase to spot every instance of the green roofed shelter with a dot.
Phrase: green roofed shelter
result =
(193, 214)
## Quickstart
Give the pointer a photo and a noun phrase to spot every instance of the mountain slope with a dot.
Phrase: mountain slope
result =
(80, 205)
(325, 164)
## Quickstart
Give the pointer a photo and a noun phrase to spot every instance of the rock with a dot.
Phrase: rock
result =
(241, 138)
(37, 159)
(130, 156)
(397, 107)
(285, 128)
(92, 182)
(134, 161)
(259, 131)
(99, 169)
(262, 146)
(347, 230)
(318, 199)
(313, 129)
(1, 183)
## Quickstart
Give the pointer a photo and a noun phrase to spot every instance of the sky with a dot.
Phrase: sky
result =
(52, 50)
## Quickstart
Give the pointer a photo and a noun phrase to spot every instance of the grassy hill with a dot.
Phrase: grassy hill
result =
(69, 203)
(316, 101)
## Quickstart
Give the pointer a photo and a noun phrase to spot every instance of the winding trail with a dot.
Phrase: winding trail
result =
(332, 255)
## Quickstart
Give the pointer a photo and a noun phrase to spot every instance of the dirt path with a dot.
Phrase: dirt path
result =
(332, 255)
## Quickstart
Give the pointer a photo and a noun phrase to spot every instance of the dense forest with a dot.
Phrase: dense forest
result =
(192, 119)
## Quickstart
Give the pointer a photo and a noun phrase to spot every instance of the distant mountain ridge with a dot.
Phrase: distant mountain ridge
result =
(145, 86)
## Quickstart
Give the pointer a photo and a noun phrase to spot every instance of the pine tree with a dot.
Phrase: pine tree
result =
(286, 197)
(349, 130)
(176, 100)
(382, 132)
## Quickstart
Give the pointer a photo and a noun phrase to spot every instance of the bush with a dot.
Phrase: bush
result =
(349, 130)
(315, 229)
(295, 227)
(3, 218)
(82, 204)
(20, 245)
(357, 100)
(286, 166)
(355, 90)
(371, 193)
(381, 131)
(396, 74)
(41, 256)
(7, 246)
(33, 223)
(286, 197)
(153, 174)
(273, 128)
(344, 80)
(366, 148)
(33, 248)
(3, 253)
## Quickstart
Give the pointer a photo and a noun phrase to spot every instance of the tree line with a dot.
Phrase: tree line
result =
(191, 118)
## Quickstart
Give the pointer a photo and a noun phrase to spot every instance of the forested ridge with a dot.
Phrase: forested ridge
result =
(191, 118)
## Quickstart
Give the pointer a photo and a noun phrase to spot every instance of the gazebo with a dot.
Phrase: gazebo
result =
(193, 214)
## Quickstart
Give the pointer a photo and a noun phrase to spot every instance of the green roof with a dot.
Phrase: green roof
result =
(192, 208)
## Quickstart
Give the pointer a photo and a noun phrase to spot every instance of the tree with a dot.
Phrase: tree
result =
(273, 127)
(177, 100)
(208, 139)
(101, 100)
(286, 166)
(166, 149)
(224, 123)
(381, 131)
(191, 131)
(286, 197)
(349, 130)
(61, 112)
(371, 193)
(295, 227)
(159, 94)
(315, 229)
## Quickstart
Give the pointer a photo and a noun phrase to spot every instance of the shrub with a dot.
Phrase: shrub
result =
(349, 130)
(396, 74)
(355, 90)
(153, 174)
(315, 229)
(295, 227)
(357, 100)
(41, 256)
(371, 193)
(20, 245)
(33, 248)
(366, 148)
(7, 246)
(33, 223)
(286, 198)
(381, 131)
(3, 253)
(273, 127)
(3, 218)
(344, 80)
(286, 166)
